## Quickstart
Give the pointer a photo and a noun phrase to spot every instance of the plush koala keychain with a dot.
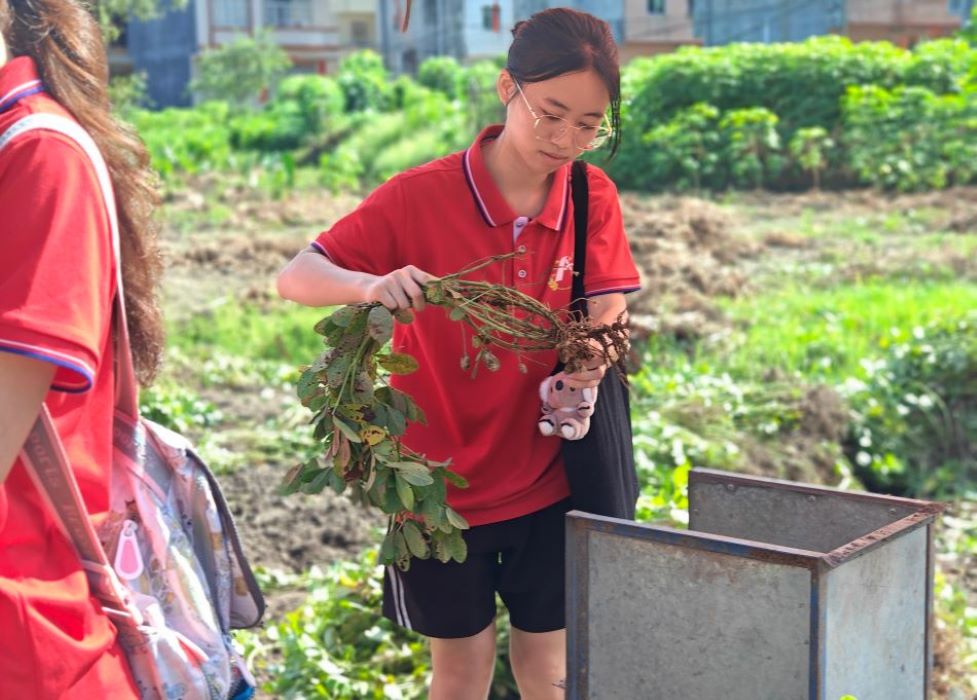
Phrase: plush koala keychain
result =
(566, 410)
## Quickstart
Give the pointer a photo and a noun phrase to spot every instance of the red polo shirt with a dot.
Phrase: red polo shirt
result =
(56, 286)
(442, 217)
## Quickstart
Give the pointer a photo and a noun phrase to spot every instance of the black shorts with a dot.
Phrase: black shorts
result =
(522, 559)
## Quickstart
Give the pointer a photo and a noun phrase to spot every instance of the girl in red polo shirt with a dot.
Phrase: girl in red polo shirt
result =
(509, 192)
(57, 280)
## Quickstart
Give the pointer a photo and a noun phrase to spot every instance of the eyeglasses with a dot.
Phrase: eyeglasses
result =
(549, 127)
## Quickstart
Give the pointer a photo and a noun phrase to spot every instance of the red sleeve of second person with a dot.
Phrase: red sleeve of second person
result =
(54, 274)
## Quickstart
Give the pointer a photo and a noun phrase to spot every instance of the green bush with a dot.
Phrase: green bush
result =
(444, 74)
(752, 146)
(279, 128)
(186, 140)
(686, 152)
(809, 149)
(240, 71)
(319, 99)
(915, 427)
(910, 138)
(660, 94)
(364, 82)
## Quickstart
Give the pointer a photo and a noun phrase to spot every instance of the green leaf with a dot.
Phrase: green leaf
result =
(388, 550)
(318, 483)
(415, 473)
(440, 547)
(456, 480)
(336, 482)
(405, 492)
(398, 363)
(291, 482)
(318, 402)
(455, 518)
(396, 423)
(432, 511)
(343, 316)
(362, 388)
(336, 371)
(346, 430)
(457, 313)
(415, 414)
(308, 383)
(458, 547)
(391, 504)
(325, 326)
(415, 540)
(400, 544)
(380, 324)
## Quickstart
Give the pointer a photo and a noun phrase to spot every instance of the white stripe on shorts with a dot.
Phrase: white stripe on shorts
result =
(400, 603)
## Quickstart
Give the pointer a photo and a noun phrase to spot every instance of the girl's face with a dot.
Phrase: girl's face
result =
(580, 98)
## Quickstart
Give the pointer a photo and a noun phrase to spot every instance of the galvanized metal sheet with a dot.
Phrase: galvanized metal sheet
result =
(815, 521)
(666, 621)
(874, 621)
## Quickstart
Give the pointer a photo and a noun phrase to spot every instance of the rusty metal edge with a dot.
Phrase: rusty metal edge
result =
(577, 613)
(716, 476)
(876, 538)
(720, 544)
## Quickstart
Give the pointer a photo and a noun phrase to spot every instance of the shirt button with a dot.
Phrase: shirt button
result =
(522, 274)
(521, 249)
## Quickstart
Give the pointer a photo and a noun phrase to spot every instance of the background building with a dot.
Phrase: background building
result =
(468, 30)
(903, 22)
(316, 34)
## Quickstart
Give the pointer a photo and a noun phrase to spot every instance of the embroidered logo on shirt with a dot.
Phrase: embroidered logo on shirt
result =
(562, 269)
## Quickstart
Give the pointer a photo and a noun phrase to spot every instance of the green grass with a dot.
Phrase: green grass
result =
(279, 331)
(825, 333)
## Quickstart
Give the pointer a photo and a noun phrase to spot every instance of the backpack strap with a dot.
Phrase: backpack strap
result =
(126, 393)
(43, 453)
(580, 190)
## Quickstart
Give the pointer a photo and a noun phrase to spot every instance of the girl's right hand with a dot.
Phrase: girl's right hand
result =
(401, 289)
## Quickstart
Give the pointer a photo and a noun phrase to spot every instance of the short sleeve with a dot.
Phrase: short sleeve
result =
(365, 240)
(610, 267)
(56, 277)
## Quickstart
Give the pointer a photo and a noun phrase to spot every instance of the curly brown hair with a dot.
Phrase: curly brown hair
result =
(65, 42)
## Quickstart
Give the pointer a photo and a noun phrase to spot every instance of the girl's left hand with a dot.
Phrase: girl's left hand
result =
(589, 377)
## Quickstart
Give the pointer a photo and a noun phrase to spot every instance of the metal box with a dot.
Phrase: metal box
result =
(777, 591)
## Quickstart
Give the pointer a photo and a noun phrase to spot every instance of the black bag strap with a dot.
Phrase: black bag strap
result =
(581, 200)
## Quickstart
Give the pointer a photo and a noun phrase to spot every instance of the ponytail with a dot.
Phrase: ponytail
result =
(66, 44)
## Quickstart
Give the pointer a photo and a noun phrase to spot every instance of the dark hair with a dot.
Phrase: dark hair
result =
(65, 42)
(562, 40)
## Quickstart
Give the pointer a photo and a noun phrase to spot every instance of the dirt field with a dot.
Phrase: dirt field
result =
(692, 254)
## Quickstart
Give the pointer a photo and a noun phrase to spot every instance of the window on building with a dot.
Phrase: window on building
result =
(491, 17)
(360, 33)
(430, 12)
(288, 13)
(408, 61)
(656, 7)
(230, 13)
(691, 8)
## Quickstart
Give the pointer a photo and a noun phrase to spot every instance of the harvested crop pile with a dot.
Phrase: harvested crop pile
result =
(686, 252)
